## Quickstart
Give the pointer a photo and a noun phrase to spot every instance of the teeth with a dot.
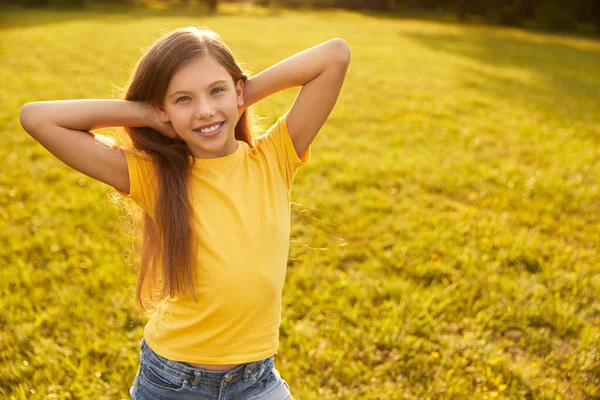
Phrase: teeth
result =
(211, 129)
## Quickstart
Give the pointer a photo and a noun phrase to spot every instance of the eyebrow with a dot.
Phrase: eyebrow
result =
(185, 91)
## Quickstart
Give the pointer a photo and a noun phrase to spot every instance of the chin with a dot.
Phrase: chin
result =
(211, 149)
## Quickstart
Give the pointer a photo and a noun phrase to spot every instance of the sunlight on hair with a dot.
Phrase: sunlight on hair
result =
(319, 225)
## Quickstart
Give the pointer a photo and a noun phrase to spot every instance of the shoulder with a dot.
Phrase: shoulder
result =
(273, 129)
(143, 185)
(138, 159)
(276, 147)
(275, 140)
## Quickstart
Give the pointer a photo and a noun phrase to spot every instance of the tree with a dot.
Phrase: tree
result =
(212, 5)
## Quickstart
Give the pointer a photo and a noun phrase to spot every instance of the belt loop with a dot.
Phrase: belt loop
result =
(253, 370)
(197, 378)
(247, 372)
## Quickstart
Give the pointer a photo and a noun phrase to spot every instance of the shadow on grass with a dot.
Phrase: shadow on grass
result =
(564, 69)
(507, 48)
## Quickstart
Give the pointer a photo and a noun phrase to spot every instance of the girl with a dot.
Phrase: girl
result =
(216, 219)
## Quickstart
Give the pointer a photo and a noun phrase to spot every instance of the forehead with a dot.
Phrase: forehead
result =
(198, 73)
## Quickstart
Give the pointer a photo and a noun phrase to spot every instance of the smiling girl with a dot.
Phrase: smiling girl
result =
(216, 202)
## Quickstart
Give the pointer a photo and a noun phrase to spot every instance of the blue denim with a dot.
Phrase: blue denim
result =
(164, 379)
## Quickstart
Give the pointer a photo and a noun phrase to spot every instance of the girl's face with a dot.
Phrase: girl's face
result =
(202, 102)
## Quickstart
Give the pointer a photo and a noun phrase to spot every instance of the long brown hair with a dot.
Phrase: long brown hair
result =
(169, 243)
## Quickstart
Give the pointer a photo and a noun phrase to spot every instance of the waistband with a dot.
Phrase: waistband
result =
(247, 372)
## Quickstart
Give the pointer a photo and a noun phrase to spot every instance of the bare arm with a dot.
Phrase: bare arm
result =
(320, 70)
(63, 127)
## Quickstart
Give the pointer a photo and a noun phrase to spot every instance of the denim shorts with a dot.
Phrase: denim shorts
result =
(164, 379)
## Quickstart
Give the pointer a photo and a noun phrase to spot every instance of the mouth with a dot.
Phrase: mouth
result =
(210, 131)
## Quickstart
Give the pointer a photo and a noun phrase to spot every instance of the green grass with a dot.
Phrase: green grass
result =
(445, 234)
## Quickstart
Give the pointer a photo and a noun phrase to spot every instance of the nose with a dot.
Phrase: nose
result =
(205, 110)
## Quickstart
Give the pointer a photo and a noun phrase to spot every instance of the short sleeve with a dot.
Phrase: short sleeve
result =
(277, 145)
(143, 184)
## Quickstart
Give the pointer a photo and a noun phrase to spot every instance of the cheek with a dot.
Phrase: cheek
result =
(180, 115)
(232, 105)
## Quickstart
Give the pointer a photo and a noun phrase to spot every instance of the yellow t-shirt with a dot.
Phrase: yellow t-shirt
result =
(242, 217)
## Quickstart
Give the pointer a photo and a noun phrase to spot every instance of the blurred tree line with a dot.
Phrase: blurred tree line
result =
(210, 4)
(544, 14)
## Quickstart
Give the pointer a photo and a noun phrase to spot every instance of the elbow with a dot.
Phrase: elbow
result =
(340, 51)
(28, 116)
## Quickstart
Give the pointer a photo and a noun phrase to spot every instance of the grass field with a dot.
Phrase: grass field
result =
(445, 234)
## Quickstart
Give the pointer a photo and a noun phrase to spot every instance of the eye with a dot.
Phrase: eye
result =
(219, 90)
(182, 97)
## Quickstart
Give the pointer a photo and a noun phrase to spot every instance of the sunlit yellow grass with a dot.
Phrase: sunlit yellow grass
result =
(445, 233)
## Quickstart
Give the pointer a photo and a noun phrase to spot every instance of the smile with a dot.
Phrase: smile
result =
(210, 131)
